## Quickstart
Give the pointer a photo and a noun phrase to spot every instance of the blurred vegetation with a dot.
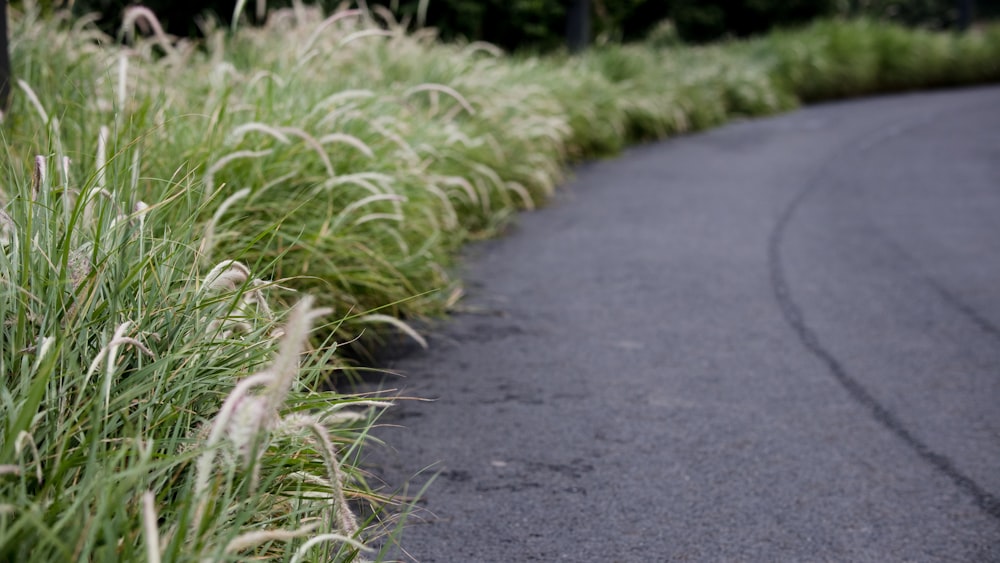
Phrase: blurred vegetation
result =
(540, 24)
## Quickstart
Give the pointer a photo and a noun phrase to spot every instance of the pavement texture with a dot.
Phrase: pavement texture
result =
(774, 341)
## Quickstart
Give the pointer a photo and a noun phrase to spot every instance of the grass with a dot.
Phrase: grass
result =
(178, 216)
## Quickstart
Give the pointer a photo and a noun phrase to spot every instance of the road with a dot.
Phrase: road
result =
(774, 341)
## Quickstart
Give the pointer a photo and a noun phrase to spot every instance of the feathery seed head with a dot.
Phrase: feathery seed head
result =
(8, 229)
(227, 275)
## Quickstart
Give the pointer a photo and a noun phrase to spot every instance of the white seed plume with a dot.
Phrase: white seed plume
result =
(122, 81)
(238, 133)
(447, 90)
(248, 425)
(353, 206)
(365, 33)
(522, 192)
(251, 428)
(89, 203)
(253, 539)
(64, 169)
(484, 47)
(137, 14)
(25, 438)
(402, 326)
(340, 15)
(79, 265)
(378, 217)
(459, 182)
(280, 180)
(262, 74)
(222, 162)
(349, 140)
(256, 298)
(109, 355)
(314, 144)
(342, 96)
(422, 13)
(208, 240)
(229, 275)
(286, 365)
(102, 156)
(139, 211)
(387, 16)
(43, 349)
(346, 522)
(39, 177)
(149, 527)
(451, 216)
(362, 403)
(8, 229)
(226, 276)
(33, 98)
(404, 147)
(246, 419)
(374, 183)
(219, 73)
(325, 538)
(346, 417)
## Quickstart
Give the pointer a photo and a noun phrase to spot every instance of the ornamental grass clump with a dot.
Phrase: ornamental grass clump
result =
(244, 428)
(348, 197)
(153, 407)
(352, 155)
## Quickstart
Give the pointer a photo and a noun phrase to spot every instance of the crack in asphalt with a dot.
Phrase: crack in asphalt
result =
(946, 295)
(792, 312)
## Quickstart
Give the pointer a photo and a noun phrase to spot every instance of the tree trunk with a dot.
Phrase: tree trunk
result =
(4, 61)
(578, 26)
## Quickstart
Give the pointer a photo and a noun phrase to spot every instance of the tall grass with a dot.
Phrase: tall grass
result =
(131, 425)
(367, 153)
(176, 216)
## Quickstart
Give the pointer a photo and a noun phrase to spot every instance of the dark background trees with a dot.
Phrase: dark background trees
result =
(541, 24)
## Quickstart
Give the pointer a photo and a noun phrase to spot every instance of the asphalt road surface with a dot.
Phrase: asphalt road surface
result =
(774, 341)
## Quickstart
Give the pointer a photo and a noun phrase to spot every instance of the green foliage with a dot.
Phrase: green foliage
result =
(838, 59)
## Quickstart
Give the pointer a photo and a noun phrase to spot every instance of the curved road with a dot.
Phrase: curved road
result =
(775, 341)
